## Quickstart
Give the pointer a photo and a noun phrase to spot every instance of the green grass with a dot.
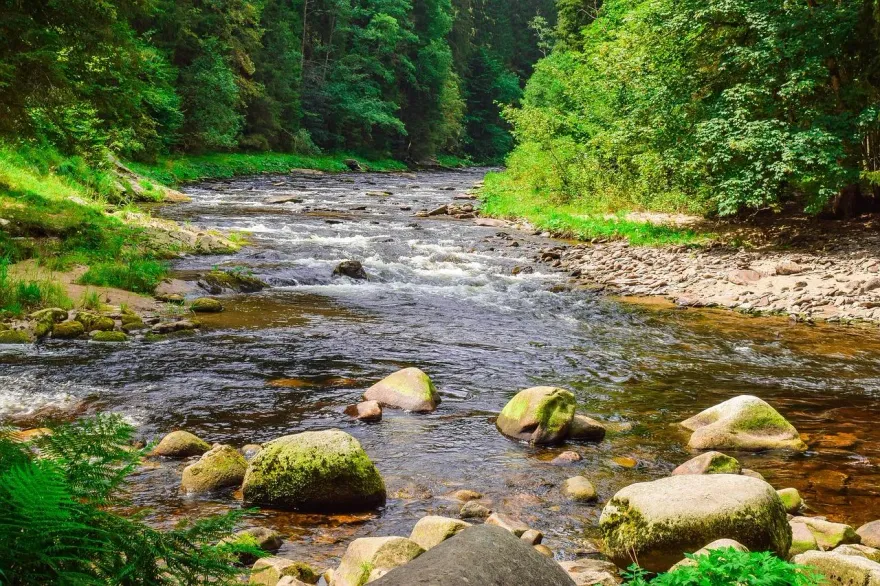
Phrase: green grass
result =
(140, 276)
(20, 296)
(454, 162)
(502, 198)
(185, 169)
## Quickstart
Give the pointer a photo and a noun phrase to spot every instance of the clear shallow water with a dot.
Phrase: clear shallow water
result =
(441, 297)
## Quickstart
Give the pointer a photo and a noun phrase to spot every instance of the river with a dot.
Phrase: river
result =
(441, 296)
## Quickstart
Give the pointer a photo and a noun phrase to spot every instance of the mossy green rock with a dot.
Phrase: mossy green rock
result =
(93, 322)
(369, 558)
(102, 336)
(709, 463)
(14, 337)
(658, 522)
(52, 315)
(316, 471)
(409, 389)
(181, 444)
(133, 326)
(206, 305)
(219, 467)
(828, 535)
(67, 330)
(269, 571)
(540, 415)
(791, 500)
(742, 423)
(237, 281)
(841, 569)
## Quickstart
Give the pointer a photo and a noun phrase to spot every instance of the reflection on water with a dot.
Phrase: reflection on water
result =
(441, 296)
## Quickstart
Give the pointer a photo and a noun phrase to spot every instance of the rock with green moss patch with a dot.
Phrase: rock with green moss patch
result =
(369, 558)
(743, 423)
(841, 569)
(828, 535)
(216, 282)
(133, 326)
(315, 471)
(102, 336)
(181, 444)
(791, 499)
(434, 530)
(540, 415)
(68, 330)
(409, 389)
(657, 522)
(94, 322)
(206, 305)
(53, 315)
(219, 467)
(14, 337)
(709, 463)
(270, 571)
(802, 539)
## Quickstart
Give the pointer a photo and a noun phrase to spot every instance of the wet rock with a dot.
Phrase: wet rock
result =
(625, 462)
(170, 327)
(656, 522)
(464, 495)
(368, 558)
(590, 572)
(540, 415)
(709, 463)
(717, 544)
(219, 467)
(830, 480)
(433, 530)
(441, 211)
(791, 500)
(53, 315)
(586, 429)
(270, 571)
(216, 282)
(828, 535)
(409, 389)
(354, 165)
(206, 305)
(864, 551)
(181, 444)
(802, 539)
(102, 336)
(566, 458)
(68, 330)
(579, 489)
(172, 298)
(324, 471)
(744, 423)
(507, 523)
(250, 451)
(279, 199)
(92, 322)
(491, 222)
(14, 337)
(845, 570)
(353, 269)
(532, 537)
(366, 411)
(264, 538)
(474, 510)
(479, 556)
(870, 534)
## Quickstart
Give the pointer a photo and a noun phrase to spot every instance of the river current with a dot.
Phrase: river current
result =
(441, 296)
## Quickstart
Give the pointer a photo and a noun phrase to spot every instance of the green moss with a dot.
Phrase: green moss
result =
(724, 464)
(67, 330)
(105, 336)
(94, 322)
(206, 305)
(365, 570)
(13, 337)
(761, 417)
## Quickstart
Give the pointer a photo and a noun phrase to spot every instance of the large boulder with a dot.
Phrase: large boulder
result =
(709, 463)
(68, 330)
(315, 471)
(840, 569)
(433, 530)
(742, 423)
(540, 415)
(409, 389)
(655, 523)
(181, 444)
(368, 558)
(219, 467)
(484, 556)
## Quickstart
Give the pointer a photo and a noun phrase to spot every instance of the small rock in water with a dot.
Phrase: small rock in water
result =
(220, 467)
(539, 415)
(465, 495)
(532, 537)
(566, 458)
(745, 422)
(625, 461)
(579, 489)
(586, 429)
(791, 499)
(181, 444)
(206, 305)
(352, 269)
(366, 411)
(505, 522)
(272, 570)
(433, 530)
(831, 480)
(474, 510)
(410, 389)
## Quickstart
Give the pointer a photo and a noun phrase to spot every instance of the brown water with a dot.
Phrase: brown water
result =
(441, 296)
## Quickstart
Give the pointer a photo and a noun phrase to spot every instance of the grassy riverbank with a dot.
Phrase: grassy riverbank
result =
(504, 198)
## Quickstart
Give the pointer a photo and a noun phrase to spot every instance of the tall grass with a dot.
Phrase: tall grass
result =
(140, 276)
(19, 296)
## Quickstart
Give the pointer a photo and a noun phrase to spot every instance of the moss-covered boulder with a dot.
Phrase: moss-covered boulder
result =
(433, 530)
(270, 571)
(742, 423)
(586, 429)
(134, 326)
(52, 314)
(93, 322)
(219, 467)
(579, 489)
(102, 336)
(206, 305)
(316, 471)
(841, 569)
(68, 330)
(709, 463)
(791, 500)
(181, 444)
(657, 522)
(802, 539)
(14, 337)
(540, 415)
(409, 389)
(828, 535)
(216, 282)
(369, 558)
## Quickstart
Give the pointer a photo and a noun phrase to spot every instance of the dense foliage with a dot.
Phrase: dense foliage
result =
(729, 567)
(406, 78)
(57, 526)
(704, 105)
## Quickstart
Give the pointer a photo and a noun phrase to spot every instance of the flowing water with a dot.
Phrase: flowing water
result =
(441, 296)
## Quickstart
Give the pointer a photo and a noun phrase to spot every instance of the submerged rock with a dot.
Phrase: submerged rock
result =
(709, 463)
(369, 558)
(657, 522)
(315, 471)
(409, 389)
(433, 530)
(181, 444)
(219, 467)
(540, 415)
(206, 305)
(479, 556)
(474, 510)
(744, 423)
(353, 269)
(566, 458)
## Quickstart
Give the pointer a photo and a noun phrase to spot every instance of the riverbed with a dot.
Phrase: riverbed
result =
(442, 295)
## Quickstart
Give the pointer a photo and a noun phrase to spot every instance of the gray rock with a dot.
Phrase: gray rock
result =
(586, 429)
(353, 269)
(839, 569)
(745, 423)
(590, 572)
(474, 510)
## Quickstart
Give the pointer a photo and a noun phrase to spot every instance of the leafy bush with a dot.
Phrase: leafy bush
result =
(57, 524)
(729, 567)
